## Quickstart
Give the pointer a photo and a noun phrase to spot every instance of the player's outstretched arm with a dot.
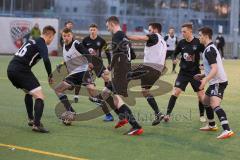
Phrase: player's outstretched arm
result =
(138, 38)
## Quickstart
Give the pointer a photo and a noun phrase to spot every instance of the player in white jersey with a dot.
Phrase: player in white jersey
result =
(217, 79)
(154, 61)
(75, 58)
(171, 40)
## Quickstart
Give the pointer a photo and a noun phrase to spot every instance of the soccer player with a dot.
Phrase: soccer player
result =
(69, 25)
(20, 74)
(190, 49)
(120, 67)
(171, 40)
(154, 60)
(220, 42)
(217, 79)
(76, 60)
(95, 44)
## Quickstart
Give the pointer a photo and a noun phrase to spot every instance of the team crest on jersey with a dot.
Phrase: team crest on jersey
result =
(194, 47)
(20, 32)
(98, 43)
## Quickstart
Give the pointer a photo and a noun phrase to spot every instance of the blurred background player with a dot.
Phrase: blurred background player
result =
(217, 79)
(152, 68)
(171, 40)
(69, 25)
(95, 44)
(190, 49)
(20, 74)
(35, 32)
(220, 43)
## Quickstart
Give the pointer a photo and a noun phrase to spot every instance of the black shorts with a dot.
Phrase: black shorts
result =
(170, 54)
(119, 75)
(98, 66)
(25, 80)
(183, 80)
(150, 76)
(78, 79)
(216, 90)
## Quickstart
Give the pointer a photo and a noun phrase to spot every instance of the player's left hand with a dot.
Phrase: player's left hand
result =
(198, 77)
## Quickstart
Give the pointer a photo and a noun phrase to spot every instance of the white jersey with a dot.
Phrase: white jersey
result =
(171, 43)
(75, 61)
(156, 54)
(221, 75)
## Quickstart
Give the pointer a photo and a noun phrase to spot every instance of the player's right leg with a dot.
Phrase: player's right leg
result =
(59, 90)
(211, 126)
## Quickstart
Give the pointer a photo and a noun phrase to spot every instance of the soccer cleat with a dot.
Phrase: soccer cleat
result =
(30, 122)
(108, 118)
(202, 119)
(40, 129)
(209, 128)
(121, 123)
(68, 115)
(166, 118)
(96, 101)
(158, 119)
(75, 99)
(134, 132)
(226, 134)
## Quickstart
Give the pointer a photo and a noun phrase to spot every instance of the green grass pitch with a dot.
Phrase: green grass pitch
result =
(178, 140)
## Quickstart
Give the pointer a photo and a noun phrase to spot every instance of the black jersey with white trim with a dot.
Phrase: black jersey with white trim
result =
(30, 53)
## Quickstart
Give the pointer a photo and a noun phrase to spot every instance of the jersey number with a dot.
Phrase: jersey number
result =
(23, 50)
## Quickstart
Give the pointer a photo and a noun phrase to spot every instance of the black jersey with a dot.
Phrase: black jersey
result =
(29, 54)
(120, 46)
(97, 44)
(190, 52)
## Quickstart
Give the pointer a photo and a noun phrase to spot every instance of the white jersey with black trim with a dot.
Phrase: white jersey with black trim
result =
(221, 75)
(171, 43)
(156, 54)
(74, 60)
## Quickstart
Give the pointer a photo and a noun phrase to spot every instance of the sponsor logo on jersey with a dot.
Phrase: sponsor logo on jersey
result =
(20, 32)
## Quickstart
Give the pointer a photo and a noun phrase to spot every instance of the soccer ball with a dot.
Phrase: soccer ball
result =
(68, 115)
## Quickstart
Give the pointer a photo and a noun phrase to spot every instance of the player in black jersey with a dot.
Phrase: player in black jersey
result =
(120, 66)
(20, 74)
(95, 44)
(190, 49)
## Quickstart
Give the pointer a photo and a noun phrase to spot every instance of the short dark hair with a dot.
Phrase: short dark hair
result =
(68, 22)
(113, 19)
(67, 30)
(206, 31)
(93, 25)
(188, 25)
(48, 29)
(171, 28)
(157, 26)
